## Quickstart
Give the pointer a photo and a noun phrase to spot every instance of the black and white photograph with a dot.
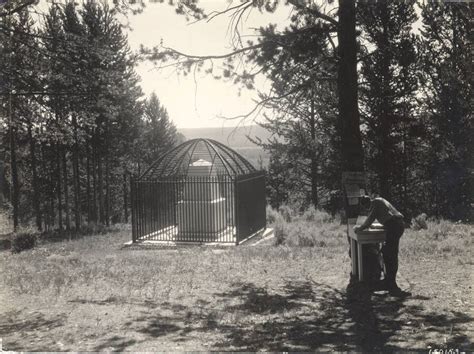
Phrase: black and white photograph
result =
(236, 176)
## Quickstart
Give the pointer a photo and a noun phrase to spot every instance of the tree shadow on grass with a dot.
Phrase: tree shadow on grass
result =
(300, 316)
(14, 322)
(115, 343)
(336, 320)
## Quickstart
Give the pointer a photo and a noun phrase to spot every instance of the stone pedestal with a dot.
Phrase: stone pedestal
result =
(201, 217)
(202, 212)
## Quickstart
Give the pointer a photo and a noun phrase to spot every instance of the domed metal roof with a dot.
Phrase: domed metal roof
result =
(220, 160)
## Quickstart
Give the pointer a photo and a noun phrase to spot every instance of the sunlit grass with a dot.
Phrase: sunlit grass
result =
(98, 267)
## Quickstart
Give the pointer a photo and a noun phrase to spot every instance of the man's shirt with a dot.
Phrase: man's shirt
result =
(382, 211)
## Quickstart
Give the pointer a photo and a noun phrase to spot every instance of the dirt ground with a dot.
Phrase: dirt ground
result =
(261, 298)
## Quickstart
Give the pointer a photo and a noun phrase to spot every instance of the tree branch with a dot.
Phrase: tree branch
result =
(313, 11)
(207, 57)
(16, 9)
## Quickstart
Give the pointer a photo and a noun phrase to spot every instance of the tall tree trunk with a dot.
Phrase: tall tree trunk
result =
(14, 170)
(386, 113)
(75, 172)
(66, 189)
(95, 208)
(58, 186)
(314, 162)
(351, 144)
(88, 187)
(405, 171)
(100, 190)
(46, 189)
(107, 175)
(107, 191)
(34, 174)
(125, 197)
(52, 210)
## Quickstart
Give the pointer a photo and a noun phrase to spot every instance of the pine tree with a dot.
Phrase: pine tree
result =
(448, 101)
(387, 92)
(159, 133)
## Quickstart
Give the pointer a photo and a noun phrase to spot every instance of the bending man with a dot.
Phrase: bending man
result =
(392, 220)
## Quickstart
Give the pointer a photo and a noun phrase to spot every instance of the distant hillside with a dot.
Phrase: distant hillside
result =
(236, 138)
(233, 137)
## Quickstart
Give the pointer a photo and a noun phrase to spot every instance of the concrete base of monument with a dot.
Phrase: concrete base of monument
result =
(171, 237)
(259, 237)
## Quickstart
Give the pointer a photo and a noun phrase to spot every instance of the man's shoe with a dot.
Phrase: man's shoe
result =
(381, 285)
(397, 292)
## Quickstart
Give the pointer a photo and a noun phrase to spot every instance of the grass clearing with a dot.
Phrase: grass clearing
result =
(91, 294)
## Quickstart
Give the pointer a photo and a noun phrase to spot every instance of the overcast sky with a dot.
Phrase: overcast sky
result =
(193, 104)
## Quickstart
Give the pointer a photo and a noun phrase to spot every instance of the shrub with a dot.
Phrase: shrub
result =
(23, 241)
(299, 235)
(419, 223)
(316, 215)
(280, 229)
(305, 234)
(93, 229)
(287, 212)
(272, 215)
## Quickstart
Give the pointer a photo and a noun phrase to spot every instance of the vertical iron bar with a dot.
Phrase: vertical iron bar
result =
(165, 210)
(153, 208)
(190, 208)
(229, 200)
(223, 211)
(207, 215)
(196, 208)
(228, 220)
(139, 208)
(169, 207)
(139, 202)
(162, 209)
(147, 207)
(132, 200)
(236, 211)
(183, 197)
(218, 208)
(200, 209)
(207, 211)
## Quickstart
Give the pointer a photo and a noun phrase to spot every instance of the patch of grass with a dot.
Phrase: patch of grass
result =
(312, 228)
(441, 237)
(245, 298)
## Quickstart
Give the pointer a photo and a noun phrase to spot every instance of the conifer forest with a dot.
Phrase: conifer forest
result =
(381, 87)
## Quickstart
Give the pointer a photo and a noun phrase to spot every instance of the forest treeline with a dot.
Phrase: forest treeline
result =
(415, 98)
(75, 124)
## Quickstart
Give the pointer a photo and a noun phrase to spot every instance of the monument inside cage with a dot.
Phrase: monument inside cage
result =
(201, 191)
(202, 209)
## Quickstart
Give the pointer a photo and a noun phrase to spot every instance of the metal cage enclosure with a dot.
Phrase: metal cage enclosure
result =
(200, 191)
